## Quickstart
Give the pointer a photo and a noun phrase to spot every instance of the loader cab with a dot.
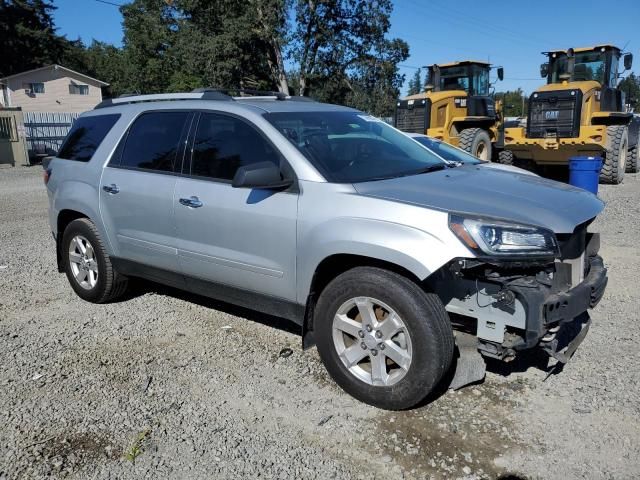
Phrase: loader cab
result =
(471, 77)
(600, 64)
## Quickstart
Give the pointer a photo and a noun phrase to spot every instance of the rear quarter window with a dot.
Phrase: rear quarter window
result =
(85, 137)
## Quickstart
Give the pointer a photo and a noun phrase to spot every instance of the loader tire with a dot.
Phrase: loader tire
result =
(616, 154)
(505, 157)
(476, 141)
(632, 160)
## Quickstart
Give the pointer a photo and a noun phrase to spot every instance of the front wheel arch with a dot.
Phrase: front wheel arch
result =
(328, 269)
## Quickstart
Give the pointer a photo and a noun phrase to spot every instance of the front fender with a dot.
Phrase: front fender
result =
(415, 250)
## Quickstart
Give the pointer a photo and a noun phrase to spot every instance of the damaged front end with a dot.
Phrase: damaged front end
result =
(509, 306)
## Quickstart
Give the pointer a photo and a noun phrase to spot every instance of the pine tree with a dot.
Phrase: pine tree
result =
(415, 84)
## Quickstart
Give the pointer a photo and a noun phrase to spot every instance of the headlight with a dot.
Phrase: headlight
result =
(496, 238)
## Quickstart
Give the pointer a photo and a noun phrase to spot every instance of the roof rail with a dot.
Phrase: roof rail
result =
(205, 95)
(200, 94)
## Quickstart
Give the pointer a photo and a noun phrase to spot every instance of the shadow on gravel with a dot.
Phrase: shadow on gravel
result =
(138, 287)
(525, 360)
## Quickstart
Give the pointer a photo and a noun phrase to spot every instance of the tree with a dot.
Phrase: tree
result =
(331, 36)
(631, 88)
(27, 36)
(415, 84)
(514, 103)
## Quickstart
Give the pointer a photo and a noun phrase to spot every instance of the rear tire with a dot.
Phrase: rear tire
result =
(87, 265)
(427, 337)
(632, 160)
(477, 142)
(505, 157)
(616, 154)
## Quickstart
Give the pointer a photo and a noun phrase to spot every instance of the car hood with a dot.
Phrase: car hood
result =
(488, 192)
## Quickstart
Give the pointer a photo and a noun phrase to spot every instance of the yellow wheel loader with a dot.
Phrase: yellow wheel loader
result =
(455, 107)
(580, 111)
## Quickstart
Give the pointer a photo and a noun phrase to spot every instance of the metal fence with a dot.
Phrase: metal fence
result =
(45, 131)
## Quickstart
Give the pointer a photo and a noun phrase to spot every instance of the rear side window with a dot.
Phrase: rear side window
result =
(85, 137)
(153, 141)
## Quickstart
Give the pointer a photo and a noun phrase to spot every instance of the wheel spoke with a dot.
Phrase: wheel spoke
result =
(80, 246)
(75, 257)
(353, 355)
(367, 315)
(397, 354)
(346, 325)
(390, 326)
(379, 375)
(81, 276)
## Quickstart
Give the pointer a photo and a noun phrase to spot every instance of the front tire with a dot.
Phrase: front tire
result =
(476, 141)
(87, 265)
(382, 338)
(616, 154)
(505, 157)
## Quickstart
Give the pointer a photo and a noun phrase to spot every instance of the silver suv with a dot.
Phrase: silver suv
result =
(397, 264)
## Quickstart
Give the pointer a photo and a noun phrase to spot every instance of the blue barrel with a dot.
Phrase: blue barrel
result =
(584, 172)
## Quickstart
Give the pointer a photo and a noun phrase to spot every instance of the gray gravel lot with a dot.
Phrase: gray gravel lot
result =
(169, 385)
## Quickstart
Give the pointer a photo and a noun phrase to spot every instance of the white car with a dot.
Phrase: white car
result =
(454, 154)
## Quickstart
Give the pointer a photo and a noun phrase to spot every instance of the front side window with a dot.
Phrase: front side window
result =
(480, 80)
(75, 89)
(223, 144)
(351, 147)
(153, 141)
(85, 137)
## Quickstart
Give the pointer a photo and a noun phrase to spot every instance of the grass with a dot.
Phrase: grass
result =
(137, 448)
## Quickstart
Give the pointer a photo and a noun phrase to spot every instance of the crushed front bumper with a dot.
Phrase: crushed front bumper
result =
(548, 312)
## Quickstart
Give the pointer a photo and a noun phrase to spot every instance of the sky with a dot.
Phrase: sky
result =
(507, 33)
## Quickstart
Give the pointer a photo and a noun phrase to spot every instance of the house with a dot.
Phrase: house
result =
(52, 88)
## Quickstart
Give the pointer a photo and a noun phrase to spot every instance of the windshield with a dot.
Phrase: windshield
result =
(588, 66)
(446, 151)
(454, 78)
(351, 147)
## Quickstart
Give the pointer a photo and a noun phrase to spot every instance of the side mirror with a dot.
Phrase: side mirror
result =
(500, 73)
(260, 175)
(628, 61)
(544, 70)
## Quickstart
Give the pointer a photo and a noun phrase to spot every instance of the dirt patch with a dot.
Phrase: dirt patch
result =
(458, 435)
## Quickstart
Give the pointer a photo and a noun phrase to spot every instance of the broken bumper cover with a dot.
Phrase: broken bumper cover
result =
(547, 310)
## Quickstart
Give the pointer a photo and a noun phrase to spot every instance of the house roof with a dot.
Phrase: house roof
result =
(58, 67)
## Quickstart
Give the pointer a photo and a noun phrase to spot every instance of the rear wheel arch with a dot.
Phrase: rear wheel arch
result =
(65, 217)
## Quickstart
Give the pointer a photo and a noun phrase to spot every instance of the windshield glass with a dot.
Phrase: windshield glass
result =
(588, 66)
(454, 78)
(446, 151)
(351, 147)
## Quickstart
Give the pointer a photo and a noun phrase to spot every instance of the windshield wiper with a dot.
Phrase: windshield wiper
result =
(431, 168)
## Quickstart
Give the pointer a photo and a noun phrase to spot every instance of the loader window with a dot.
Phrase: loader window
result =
(480, 81)
(588, 66)
(454, 78)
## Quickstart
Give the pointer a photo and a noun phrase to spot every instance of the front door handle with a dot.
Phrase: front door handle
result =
(113, 188)
(193, 202)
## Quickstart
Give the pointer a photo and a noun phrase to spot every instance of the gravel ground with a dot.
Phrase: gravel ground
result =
(164, 384)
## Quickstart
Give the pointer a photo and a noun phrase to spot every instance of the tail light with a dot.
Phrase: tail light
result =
(46, 175)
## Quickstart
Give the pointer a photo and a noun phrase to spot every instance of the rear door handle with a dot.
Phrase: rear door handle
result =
(193, 202)
(113, 188)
